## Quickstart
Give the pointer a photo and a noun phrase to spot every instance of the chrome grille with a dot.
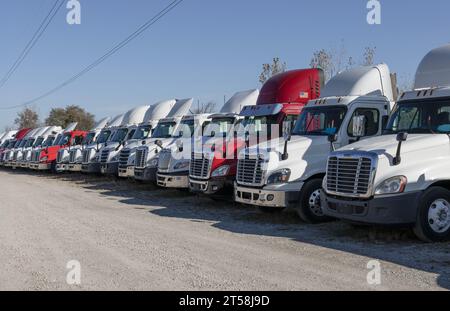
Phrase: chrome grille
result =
(249, 171)
(35, 156)
(164, 159)
(141, 158)
(60, 156)
(349, 176)
(123, 158)
(15, 155)
(199, 167)
(86, 155)
(73, 155)
(104, 155)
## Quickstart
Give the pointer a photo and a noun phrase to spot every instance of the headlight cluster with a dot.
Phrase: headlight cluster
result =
(392, 185)
(181, 165)
(221, 171)
(279, 177)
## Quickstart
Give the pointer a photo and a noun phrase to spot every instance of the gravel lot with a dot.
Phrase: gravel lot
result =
(130, 236)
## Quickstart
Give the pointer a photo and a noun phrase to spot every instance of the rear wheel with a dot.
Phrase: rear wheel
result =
(433, 219)
(310, 209)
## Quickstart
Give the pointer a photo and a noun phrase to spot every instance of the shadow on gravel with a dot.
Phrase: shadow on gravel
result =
(397, 246)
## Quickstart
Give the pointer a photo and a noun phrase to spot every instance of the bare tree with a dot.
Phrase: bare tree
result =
(27, 118)
(207, 107)
(270, 70)
(323, 59)
(369, 56)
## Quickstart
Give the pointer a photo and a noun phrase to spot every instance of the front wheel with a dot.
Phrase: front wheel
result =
(433, 219)
(310, 209)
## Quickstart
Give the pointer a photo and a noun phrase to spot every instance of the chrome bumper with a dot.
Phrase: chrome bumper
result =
(126, 172)
(173, 181)
(260, 197)
(75, 167)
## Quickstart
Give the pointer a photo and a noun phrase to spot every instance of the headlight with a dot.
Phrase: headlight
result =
(153, 162)
(279, 177)
(392, 185)
(43, 159)
(182, 165)
(221, 171)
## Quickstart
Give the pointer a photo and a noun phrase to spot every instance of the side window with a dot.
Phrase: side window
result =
(372, 121)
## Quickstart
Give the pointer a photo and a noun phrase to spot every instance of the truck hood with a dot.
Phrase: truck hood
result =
(424, 158)
(307, 156)
(387, 144)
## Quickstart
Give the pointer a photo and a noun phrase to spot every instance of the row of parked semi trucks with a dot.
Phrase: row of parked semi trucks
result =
(352, 149)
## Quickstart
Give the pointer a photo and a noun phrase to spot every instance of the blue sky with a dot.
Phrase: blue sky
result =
(203, 49)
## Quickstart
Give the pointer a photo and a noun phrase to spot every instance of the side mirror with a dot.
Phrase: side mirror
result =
(159, 143)
(179, 144)
(213, 133)
(332, 139)
(402, 136)
(287, 129)
(359, 126)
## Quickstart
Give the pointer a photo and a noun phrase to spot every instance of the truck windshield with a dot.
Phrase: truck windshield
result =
(420, 117)
(5, 144)
(49, 141)
(219, 127)
(320, 121)
(164, 130)
(103, 136)
(142, 132)
(186, 129)
(89, 139)
(38, 141)
(261, 124)
(23, 143)
(120, 135)
(64, 140)
(29, 143)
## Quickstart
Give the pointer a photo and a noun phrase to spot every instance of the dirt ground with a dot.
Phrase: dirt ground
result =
(129, 236)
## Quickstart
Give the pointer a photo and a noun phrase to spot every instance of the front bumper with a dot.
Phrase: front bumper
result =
(111, 168)
(212, 186)
(75, 167)
(179, 180)
(41, 166)
(399, 209)
(91, 168)
(25, 164)
(62, 167)
(145, 174)
(127, 172)
(261, 197)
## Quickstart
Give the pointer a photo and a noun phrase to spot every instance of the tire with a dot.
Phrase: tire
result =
(433, 218)
(309, 208)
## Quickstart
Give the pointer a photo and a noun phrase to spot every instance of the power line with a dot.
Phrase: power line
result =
(105, 56)
(34, 39)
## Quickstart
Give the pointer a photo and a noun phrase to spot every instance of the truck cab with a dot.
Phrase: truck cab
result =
(72, 153)
(402, 177)
(127, 156)
(218, 136)
(43, 140)
(288, 172)
(18, 142)
(33, 140)
(174, 160)
(146, 158)
(90, 153)
(48, 156)
(110, 153)
(281, 100)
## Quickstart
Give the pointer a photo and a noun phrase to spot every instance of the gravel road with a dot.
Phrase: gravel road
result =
(128, 236)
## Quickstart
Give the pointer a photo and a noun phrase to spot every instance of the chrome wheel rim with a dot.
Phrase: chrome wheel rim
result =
(314, 203)
(439, 216)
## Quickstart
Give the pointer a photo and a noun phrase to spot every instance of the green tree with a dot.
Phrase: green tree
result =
(64, 116)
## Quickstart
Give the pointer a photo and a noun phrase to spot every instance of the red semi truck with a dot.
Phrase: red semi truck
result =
(46, 158)
(281, 99)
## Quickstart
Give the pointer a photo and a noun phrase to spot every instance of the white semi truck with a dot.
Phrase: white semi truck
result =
(288, 172)
(40, 137)
(156, 112)
(174, 160)
(90, 154)
(7, 136)
(26, 145)
(73, 151)
(109, 154)
(403, 176)
(146, 158)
